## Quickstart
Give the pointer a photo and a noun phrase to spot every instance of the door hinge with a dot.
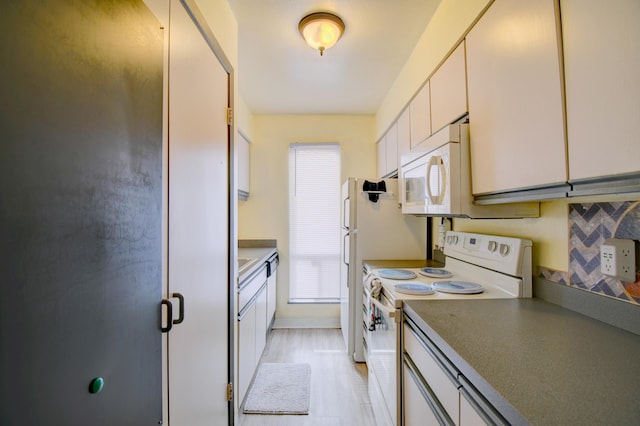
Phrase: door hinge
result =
(229, 391)
(229, 116)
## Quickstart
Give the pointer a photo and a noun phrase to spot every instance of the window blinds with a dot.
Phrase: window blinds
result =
(314, 223)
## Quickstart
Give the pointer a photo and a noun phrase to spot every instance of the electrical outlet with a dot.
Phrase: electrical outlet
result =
(618, 259)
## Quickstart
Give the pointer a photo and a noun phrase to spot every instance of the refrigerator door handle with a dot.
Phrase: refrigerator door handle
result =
(345, 213)
(344, 251)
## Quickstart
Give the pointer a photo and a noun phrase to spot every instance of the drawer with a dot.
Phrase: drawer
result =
(445, 389)
(253, 284)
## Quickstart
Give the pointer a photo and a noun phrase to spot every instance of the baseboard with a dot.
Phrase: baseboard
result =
(306, 323)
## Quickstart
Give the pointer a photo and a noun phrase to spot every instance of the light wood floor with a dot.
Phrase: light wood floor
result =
(338, 385)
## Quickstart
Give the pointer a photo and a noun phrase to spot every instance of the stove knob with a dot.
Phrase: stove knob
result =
(504, 250)
(493, 246)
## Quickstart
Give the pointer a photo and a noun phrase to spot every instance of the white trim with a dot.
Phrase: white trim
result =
(306, 323)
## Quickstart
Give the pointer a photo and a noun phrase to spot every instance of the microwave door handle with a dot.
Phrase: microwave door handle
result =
(436, 160)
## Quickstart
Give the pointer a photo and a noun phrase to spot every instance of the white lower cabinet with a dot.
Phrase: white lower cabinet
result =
(417, 411)
(252, 328)
(261, 322)
(271, 297)
(468, 415)
(434, 392)
(246, 350)
(435, 386)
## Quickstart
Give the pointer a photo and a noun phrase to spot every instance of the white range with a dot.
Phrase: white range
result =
(477, 266)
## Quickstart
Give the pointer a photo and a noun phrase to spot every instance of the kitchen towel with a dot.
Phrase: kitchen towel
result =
(373, 285)
(280, 388)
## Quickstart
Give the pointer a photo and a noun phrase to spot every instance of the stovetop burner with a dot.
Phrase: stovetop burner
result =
(435, 273)
(457, 287)
(397, 274)
(416, 289)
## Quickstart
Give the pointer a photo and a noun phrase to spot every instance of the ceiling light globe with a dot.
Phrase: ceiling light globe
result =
(321, 30)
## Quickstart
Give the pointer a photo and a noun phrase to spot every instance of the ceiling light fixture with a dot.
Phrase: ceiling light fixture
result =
(321, 30)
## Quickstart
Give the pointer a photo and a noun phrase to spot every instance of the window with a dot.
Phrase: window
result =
(314, 223)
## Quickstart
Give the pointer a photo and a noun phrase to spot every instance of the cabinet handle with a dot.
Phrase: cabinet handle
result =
(169, 306)
(180, 297)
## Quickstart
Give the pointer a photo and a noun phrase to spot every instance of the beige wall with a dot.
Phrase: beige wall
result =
(265, 214)
(549, 232)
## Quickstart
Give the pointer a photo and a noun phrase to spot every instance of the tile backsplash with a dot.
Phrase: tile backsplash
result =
(590, 224)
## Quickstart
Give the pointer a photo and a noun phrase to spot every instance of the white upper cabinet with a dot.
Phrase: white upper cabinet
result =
(382, 156)
(420, 116)
(602, 70)
(448, 87)
(242, 150)
(392, 149)
(388, 152)
(515, 98)
(404, 135)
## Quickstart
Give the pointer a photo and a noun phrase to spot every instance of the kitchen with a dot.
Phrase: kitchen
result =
(555, 251)
(558, 256)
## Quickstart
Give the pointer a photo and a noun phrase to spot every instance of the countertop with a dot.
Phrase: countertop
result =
(260, 255)
(537, 362)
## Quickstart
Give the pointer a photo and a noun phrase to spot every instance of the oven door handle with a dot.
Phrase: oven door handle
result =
(388, 310)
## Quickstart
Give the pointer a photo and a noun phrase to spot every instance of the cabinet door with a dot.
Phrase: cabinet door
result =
(392, 149)
(272, 294)
(515, 98)
(441, 383)
(420, 116)
(198, 249)
(468, 415)
(246, 350)
(404, 136)
(382, 156)
(415, 409)
(449, 90)
(243, 156)
(602, 63)
(261, 322)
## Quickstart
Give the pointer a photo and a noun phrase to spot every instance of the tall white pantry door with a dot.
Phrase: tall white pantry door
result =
(198, 248)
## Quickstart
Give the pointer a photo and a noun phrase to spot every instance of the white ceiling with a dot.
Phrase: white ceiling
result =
(278, 73)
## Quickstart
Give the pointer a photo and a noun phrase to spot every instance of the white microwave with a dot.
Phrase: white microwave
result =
(435, 180)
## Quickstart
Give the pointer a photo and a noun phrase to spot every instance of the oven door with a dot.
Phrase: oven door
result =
(382, 361)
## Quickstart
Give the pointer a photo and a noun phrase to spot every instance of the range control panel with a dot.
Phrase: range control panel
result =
(504, 254)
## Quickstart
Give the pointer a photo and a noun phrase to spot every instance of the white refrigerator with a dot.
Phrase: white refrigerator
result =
(371, 229)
